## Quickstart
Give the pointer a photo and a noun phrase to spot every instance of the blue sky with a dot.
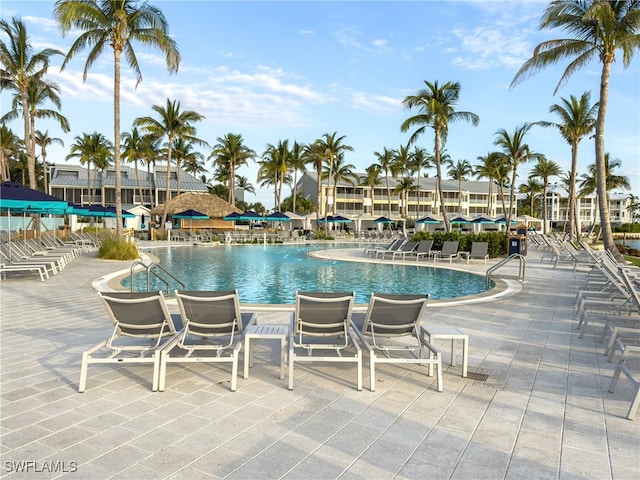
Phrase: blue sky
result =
(296, 70)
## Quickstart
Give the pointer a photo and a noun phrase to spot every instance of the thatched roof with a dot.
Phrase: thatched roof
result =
(206, 203)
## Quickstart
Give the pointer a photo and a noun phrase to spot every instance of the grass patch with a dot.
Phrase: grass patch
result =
(114, 248)
(633, 260)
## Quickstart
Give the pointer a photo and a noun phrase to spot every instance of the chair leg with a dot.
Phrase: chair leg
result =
(360, 371)
(439, 373)
(162, 373)
(83, 373)
(291, 355)
(234, 372)
(156, 371)
(372, 371)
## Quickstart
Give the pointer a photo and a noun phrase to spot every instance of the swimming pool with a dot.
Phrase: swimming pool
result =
(271, 274)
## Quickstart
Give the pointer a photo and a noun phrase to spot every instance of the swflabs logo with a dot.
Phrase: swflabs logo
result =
(30, 466)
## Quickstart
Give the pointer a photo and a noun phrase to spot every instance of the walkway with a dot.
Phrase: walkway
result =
(543, 412)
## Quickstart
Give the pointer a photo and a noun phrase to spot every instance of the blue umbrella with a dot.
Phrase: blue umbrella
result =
(482, 219)
(250, 216)
(232, 217)
(383, 219)
(503, 219)
(191, 214)
(460, 219)
(18, 198)
(277, 217)
(432, 219)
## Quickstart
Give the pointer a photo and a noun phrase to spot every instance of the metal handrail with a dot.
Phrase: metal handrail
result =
(521, 269)
(150, 271)
(315, 247)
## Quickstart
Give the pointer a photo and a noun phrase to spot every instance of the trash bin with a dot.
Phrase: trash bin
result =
(518, 244)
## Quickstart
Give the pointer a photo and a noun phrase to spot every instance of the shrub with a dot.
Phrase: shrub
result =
(496, 240)
(114, 248)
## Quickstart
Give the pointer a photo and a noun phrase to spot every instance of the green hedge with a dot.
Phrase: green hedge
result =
(497, 240)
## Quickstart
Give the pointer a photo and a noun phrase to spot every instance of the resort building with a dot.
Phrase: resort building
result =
(469, 198)
(557, 203)
(77, 184)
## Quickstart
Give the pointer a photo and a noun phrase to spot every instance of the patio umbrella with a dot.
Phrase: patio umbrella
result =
(339, 219)
(191, 215)
(460, 219)
(250, 215)
(480, 219)
(383, 219)
(277, 217)
(432, 219)
(233, 216)
(18, 198)
(503, 219)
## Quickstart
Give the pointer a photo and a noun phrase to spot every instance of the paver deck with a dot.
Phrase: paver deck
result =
(543, 412)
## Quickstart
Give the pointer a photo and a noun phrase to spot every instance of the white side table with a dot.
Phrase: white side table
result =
(442, 331)
(265, 332)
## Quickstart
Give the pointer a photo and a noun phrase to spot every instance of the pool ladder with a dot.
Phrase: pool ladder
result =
(315, 247)
(502, 263)
(151, 271)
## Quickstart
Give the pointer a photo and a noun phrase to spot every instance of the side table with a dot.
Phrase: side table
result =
(265, 332)
(433, 332)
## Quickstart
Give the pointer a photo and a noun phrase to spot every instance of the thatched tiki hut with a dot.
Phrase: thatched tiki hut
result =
(211, 205)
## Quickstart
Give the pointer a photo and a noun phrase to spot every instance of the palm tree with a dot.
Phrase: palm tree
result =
(514, 152)
(313, 154)
(419, 159)
(460, 172)
(274, 168)
(372, 180)
(436, 107)
(243, 183)
(589, 182)
(577, 120)
(296, 164)
(10, 143)
(334, 148)
(403, 187)
(597, 29)
(342, 172)
(43, 140)
(544, 169)
(116, 24)
(487, 169)
(172, 124)
(21, 66)
(385, 164)
(131, 151)
(501, 176)
(150, 152)
(229, 154)
(532, 187)
(91, 149)
(183, 153)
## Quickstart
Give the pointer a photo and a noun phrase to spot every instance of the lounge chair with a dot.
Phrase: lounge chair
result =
(478, 250)
(40, 269)
(449, 250)
(406, 249)
(394, 245)
(629, 364)
(212, 332)
(143, 326)
(322, 323)
(389, 330)
(395, 248)
(423, 249)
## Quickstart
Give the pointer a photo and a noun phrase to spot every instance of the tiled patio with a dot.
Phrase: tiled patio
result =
(543, 412)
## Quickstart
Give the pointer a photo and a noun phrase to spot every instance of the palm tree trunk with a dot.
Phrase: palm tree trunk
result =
(168, 192)
(45, 170)
(447, 227)
(116, 139)
(574, 232)
(178, 175)
(135, 166)
(151, 192)
(603, 197)
(31, 161)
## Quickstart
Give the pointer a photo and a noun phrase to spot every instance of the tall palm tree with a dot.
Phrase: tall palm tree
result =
(43, 140)
(385, 164)
(514, 152)
(90, 149)
(243, 183)
(577, 120)
(229, 154)
(296, 164)
(372, 180)
(487, 169)
(501, 176)
(460, 172)
(418, 160)
(334, 147)
(21, 65)
(131, 152)
(543, 170)
(597, 30)
(115, 25)
(173, 123)
(342, 172)
(313, 154)
(402, 188)
(436, 107)
(150, 151)
(274, 168)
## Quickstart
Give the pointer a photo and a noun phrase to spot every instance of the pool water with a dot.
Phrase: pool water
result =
(271, 274)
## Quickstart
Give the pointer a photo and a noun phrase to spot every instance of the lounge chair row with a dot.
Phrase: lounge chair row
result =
(610, 300)
(43, 256)
(406, 249)
(210, 328)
